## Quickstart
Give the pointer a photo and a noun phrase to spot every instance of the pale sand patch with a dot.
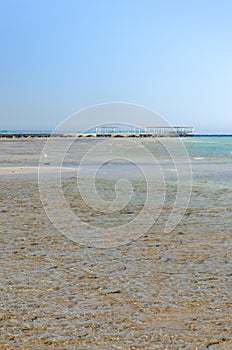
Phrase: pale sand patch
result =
(33, 170)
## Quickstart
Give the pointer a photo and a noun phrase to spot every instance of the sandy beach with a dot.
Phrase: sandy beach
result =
(12, 170)
(161, 291)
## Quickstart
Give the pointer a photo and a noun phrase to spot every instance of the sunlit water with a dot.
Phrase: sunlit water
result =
(161, 291)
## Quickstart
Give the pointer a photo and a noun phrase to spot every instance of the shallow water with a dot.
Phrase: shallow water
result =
(160, 291)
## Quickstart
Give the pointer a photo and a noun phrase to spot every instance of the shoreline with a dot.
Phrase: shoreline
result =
(29, 170)
(82, 136)
(32, 137)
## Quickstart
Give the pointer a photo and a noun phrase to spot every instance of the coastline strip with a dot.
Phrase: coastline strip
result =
(26, 170)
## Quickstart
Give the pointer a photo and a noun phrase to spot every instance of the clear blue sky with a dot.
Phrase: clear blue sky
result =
(173, 56)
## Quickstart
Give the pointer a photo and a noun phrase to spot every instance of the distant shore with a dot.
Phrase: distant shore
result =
(103, 131)
(45, 136)
(62, 136)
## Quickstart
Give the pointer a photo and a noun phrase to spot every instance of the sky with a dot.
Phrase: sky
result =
(171, 56)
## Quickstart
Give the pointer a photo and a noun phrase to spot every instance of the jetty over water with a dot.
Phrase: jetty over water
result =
(145, 131)
(107, 131)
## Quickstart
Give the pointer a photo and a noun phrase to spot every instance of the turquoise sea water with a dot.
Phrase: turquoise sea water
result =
(211, 158)
(210, 146)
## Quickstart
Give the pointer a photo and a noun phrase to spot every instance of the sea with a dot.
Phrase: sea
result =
(127, 247)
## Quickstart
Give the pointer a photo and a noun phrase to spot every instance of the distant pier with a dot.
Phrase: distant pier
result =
(145, 131)
(107, 131)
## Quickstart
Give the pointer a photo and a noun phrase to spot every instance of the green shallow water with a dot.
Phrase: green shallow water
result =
(161, 291)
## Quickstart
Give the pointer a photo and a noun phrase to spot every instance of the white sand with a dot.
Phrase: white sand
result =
(11, 170)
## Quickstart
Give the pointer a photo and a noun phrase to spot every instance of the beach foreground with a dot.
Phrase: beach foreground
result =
(161, 291)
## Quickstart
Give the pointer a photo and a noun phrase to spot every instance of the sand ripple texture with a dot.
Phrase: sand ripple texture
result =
(163, 291)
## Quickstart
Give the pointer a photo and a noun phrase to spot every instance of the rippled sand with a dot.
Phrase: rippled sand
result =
(162, 291)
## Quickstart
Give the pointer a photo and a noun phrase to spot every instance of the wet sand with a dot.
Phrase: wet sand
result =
(33, 170)
(162, 291)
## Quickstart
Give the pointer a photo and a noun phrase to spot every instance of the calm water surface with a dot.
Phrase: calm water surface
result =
(162, 291)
